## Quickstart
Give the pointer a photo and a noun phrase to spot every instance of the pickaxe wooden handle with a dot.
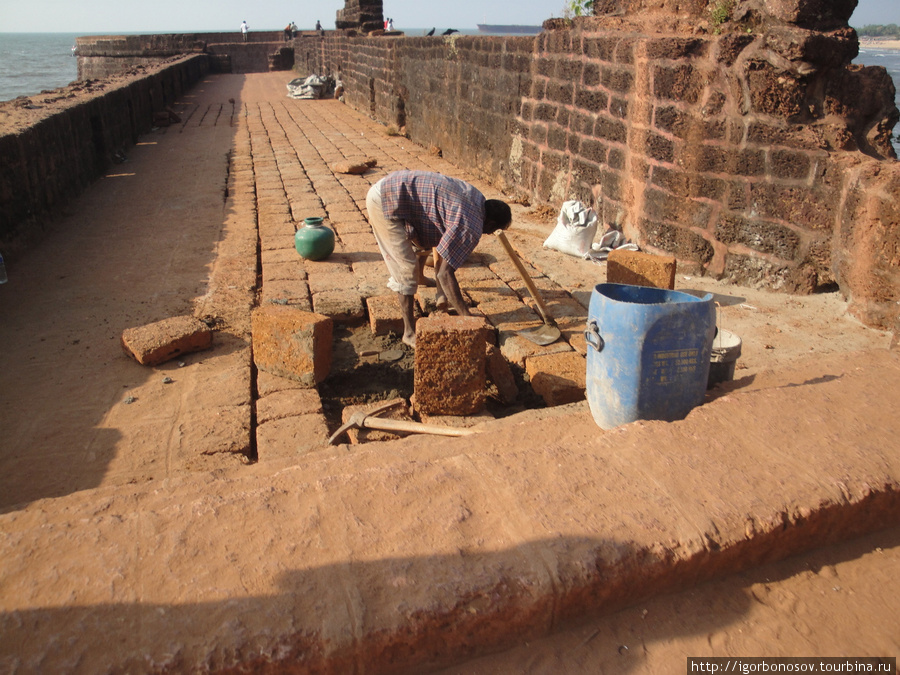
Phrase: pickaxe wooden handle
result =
(368, 420)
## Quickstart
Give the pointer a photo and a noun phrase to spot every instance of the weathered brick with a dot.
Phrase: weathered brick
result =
(516, 349)
(287, 292)
(384, 314)
(342, 306)
(684, 243)
(329, 281)
(292, 343)
(287, 403)
(163, 340)
(291, 437)
(557, 378)
(677, 83)
(449, 376)
(508, 314)
(640, 269)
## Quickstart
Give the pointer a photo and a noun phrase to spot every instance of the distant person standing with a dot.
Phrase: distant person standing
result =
(245, 29)
(390, 25)
(287, 32)
(318, 25)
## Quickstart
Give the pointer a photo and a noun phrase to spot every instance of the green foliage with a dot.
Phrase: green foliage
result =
(721, 12)
(579, 8)
(891, 30)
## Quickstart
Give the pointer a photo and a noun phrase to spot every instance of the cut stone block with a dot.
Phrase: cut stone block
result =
(510, 314)
(449, 377)
(558, 378)
(516, 349)
(291, 437)
(426, 297)
(287, 403)
(499, 373)
(331, 281)
(487, 290)
(287, 292)
(163, 340)
(292, 343)
(384, 314)
(640, 269)
(342, 306)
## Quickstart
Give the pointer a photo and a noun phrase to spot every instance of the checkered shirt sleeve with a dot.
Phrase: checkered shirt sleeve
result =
(439, 212)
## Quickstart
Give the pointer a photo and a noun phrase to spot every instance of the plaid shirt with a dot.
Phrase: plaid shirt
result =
(438, 211)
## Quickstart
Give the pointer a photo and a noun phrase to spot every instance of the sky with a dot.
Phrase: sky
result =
(89, 17)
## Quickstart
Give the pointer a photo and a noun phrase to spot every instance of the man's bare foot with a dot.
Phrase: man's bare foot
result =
(409, 340)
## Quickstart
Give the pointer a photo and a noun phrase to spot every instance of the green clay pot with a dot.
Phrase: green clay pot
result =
(314, 241)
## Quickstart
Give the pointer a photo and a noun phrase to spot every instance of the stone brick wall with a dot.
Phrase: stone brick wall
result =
(106, 55)
(749, 148)
(47, 163)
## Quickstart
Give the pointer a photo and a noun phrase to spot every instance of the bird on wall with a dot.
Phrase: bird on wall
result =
(431, 32)
(449, 31)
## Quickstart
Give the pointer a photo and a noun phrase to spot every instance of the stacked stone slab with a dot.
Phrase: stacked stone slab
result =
(161, 341)
(450, 365)
(363, 15)
(557, 378)
(640, 269)
(292, 343)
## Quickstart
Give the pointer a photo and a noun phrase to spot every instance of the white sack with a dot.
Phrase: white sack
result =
(574, 231)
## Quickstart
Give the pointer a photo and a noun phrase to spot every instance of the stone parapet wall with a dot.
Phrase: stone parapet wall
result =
(753, 151)
(107, 55)
(72, 142)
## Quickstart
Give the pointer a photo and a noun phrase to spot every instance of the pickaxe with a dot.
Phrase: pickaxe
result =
(368, 420)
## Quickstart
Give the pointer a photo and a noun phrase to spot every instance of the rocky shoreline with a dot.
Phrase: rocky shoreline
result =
(878, 43)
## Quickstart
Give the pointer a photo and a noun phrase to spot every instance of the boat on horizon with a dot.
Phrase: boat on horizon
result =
(509, 29)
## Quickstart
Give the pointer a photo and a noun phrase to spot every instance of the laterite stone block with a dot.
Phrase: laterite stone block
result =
(161, 341)
(449, 376)
(292, 343)
(640, 269)
(384, 314)
(558, 378)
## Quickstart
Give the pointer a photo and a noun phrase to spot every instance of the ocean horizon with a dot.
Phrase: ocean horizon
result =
(31, 63)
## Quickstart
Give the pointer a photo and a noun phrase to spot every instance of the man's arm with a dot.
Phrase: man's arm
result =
(448, 286)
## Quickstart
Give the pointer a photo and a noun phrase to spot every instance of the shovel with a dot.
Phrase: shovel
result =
(542, 335)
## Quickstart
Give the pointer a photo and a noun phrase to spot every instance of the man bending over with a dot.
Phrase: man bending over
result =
(429, 210)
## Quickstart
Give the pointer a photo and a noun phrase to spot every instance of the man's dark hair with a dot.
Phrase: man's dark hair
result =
(497, 215)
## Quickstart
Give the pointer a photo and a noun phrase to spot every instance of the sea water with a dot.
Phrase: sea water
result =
(33, 62)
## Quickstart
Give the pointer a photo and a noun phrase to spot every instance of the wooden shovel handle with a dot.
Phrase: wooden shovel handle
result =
(542, 308)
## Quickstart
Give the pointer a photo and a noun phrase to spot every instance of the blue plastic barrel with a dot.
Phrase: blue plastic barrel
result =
(648, 353)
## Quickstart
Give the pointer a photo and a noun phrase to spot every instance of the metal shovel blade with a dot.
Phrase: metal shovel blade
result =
(542, 335)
